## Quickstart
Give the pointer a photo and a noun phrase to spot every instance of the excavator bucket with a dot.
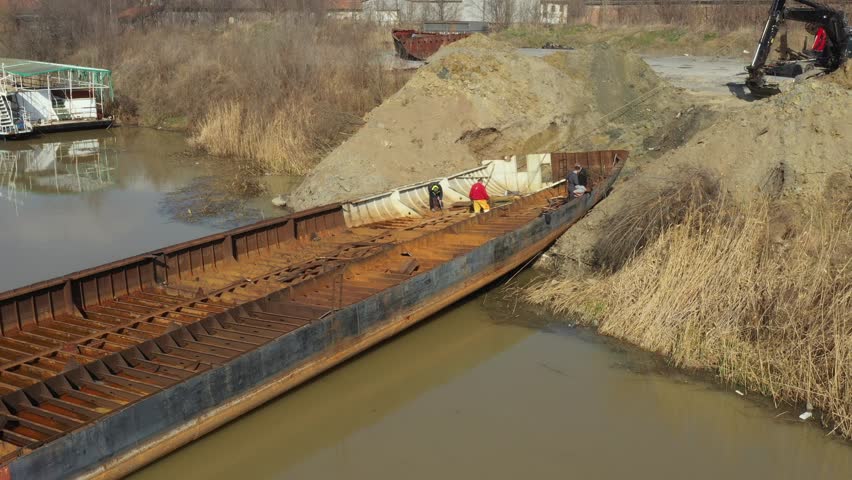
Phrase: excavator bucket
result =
(763, 89)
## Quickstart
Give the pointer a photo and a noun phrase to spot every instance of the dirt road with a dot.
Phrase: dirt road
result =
(720, 76)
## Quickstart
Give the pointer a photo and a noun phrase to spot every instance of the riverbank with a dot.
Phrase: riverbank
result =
(274, 96)
(731, 254)
(278, 96)
(719, 291)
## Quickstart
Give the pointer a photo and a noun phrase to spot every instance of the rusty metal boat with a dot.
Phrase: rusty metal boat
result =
(415, 45)
(105, 370)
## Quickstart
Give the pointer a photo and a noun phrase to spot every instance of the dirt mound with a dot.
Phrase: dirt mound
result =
(792, 146)
(479, 98)
(842, 76)
(788, 145)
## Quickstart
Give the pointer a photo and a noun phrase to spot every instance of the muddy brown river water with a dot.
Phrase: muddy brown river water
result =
(475, 392)
(76, 200)
(468, 395)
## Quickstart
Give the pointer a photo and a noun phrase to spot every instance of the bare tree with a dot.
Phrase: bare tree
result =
(529, 12)
(444, 10)
(408, 12)
(500, 12)
(429, 10)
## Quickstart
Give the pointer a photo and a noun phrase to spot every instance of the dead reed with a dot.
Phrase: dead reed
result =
(642, 221)
(759, 293)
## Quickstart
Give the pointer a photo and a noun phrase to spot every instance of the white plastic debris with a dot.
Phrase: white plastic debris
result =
(746, 51)
(806, 415)
(279, 201)
(740, 393)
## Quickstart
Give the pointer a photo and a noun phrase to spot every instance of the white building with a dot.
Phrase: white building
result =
(417, 11)
(553, 12)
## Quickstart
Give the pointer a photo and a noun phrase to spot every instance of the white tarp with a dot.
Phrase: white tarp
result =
(83, 108)
(38, 106)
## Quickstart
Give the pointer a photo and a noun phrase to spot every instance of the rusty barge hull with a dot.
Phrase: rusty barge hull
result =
(414, 45)
(111, 368)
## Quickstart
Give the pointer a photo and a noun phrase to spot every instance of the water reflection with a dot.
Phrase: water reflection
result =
(55, 167)
(79, 199)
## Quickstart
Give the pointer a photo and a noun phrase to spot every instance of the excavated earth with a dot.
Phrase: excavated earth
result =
(792, 146)
(480, 99)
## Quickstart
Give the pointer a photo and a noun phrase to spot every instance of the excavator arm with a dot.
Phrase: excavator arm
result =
(832, 20)
(756, 81)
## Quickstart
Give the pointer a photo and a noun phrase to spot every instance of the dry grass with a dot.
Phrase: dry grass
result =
(759, 293)
(650, 38)
(672, 26)
(642, 221)
(277, 94)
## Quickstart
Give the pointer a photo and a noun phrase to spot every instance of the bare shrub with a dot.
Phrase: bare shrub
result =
(278, 94)
(644, 219)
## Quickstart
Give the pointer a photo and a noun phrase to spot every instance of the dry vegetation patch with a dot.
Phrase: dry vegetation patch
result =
(759, 292)
(278, 94)
(733, 252)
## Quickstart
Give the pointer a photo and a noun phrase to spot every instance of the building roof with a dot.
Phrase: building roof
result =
(133, 13)
(343, 5)
(30, 68)
(21, 5)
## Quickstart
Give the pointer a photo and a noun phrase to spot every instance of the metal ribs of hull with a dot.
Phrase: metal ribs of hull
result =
(85, 351)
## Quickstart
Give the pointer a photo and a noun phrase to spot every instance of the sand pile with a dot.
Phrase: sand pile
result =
(843, 76)
(479, 98)
(791, 146)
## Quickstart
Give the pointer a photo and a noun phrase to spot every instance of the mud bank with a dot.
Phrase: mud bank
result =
(793, 145)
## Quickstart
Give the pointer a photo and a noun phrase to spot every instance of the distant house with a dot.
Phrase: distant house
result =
(384, 12)
(22, 11)
(553, 11)
(140, 13)
(344, 9)
(19, 6)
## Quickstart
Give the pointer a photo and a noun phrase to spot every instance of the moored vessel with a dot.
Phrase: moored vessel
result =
(107, 369)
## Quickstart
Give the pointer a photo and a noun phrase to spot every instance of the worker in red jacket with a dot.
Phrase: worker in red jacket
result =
(820, 40)
(479, 197)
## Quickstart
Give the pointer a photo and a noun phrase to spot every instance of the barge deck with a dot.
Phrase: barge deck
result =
(105, 370)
